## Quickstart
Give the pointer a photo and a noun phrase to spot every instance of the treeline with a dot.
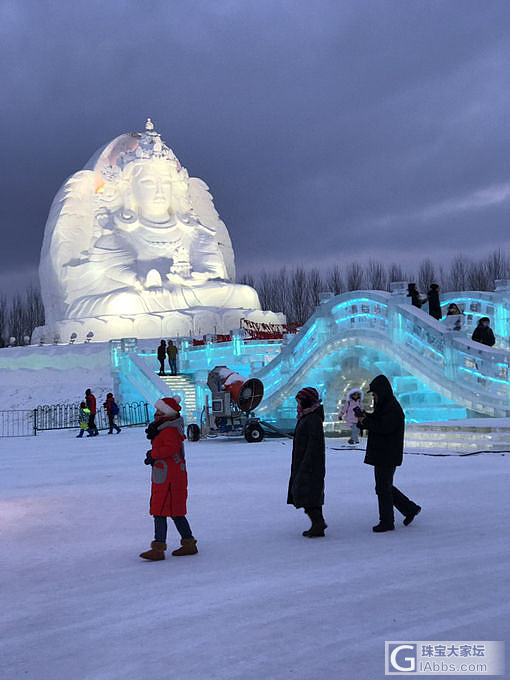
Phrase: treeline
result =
(19, 316)
(295, 291)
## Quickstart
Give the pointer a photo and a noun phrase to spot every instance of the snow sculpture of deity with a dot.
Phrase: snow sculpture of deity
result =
(134, 246)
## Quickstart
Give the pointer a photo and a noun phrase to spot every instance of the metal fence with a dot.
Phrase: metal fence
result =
(17, 423)
(67, 416)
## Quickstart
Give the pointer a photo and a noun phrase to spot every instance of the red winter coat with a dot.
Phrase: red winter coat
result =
(91, 403)
(169, 477)
(108, 405)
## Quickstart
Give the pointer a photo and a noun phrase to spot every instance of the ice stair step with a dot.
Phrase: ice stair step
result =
(182, 383)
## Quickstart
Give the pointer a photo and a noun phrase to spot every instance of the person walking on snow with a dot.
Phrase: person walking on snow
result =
(84, 420)
(308, 469)
(354, 399)
(172, 352)
(112, 410)
(161, 357)
(91, 405)
(385, 448)
(169, 479)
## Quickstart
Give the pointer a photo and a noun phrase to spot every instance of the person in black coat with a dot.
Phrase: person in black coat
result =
(385, 448)
(162, 357)
(483, 332)
(434, 302)
(308, 469)
(416, 299)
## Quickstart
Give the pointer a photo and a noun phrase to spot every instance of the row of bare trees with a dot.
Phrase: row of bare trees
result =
(19, 316)
(295, 291)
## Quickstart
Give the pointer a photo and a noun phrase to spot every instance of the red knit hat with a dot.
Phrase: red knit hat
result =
(308, 394)
(169, 405)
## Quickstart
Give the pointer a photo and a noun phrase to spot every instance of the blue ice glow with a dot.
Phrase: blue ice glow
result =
(352, 338)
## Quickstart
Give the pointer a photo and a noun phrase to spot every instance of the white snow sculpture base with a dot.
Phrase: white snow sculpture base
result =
(195, 321)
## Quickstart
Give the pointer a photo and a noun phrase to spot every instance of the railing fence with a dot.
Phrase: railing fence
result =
(24, 423)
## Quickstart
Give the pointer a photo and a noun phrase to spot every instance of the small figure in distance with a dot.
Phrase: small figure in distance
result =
(162, 357)
(172, 352)
(434, 302)
(454, 317)
(91, 405)
(483, 332)
(84, 420)
(353, 399)
(416, 299)
(112, 410)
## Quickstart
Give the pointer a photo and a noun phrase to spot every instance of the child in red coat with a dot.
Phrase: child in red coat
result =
(169, 479)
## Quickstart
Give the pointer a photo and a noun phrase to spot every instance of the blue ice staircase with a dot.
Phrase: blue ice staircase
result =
(184, 386)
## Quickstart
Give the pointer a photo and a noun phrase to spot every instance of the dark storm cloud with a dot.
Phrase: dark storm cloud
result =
(327, 131)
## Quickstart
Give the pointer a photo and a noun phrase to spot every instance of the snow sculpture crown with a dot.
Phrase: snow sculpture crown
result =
(133, 147)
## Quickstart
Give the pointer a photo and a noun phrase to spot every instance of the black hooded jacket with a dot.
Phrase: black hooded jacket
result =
(385, 444)
(483, 334)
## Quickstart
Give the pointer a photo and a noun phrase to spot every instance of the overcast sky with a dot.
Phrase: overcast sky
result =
(328, 131)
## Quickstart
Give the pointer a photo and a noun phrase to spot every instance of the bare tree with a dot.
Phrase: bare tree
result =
(33, 310)
(3, 319)
(426, 275)
(334, 281)
(478, 276)
(498, 267)
(248, 280)
(459, 273)
(315, 286)
(376, 276)
(16, 320)
(299, 299)
(355, 276)
(396, 273)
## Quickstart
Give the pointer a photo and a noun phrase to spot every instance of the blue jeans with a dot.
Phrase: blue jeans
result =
(160, 527)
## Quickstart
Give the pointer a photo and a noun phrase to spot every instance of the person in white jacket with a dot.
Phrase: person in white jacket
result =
(354, 398)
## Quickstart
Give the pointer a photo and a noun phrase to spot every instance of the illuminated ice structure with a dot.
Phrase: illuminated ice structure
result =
(134, 247)
(438, 374)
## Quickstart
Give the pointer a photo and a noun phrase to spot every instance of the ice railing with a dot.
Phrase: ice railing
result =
(448, 361)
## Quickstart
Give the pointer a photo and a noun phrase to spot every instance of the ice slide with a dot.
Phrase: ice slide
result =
(437, 373)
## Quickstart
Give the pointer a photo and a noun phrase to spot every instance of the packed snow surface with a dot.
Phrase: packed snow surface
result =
(258, 601)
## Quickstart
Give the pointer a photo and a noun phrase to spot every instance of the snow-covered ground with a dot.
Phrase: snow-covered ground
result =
(259, 601)
(32, 376)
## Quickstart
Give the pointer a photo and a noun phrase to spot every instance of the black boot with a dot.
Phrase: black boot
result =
(318, 523)
(386, 516)
(379, 528)
(409, 518)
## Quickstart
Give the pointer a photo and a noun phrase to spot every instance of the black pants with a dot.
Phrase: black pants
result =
(160, 527)
(112, 424)
(161, 366)
(92, 424)
(389, 496)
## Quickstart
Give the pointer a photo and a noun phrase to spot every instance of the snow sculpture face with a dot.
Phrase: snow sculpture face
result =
(152, 189)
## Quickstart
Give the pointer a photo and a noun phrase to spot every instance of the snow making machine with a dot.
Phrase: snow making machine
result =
(230, 412)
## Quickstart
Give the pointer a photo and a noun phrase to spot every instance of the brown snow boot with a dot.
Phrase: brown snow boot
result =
(157, 551)
(188, 547)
